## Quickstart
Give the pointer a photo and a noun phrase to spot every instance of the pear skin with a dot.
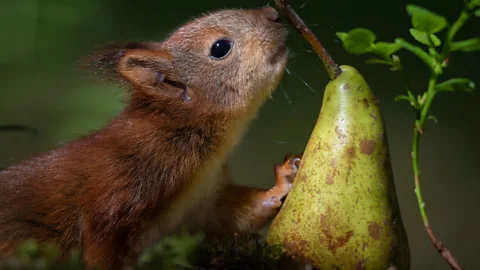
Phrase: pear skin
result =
(342, 211)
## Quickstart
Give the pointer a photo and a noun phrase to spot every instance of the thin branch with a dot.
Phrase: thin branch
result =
(21, 128)
(417, 132)
(332, 68)
(446, 254)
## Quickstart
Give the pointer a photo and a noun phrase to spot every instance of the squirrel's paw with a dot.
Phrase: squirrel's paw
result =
(284, 176)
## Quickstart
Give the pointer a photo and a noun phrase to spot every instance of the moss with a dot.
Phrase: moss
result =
(180, 251)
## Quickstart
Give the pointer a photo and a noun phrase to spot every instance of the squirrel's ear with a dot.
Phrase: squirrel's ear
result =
(143, 64)
(144, 67)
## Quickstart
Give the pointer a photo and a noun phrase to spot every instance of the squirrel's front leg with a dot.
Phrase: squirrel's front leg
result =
(240, 209)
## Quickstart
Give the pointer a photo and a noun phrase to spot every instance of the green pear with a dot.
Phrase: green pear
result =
(342, 211)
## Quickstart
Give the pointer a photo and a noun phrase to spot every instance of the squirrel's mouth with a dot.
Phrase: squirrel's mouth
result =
(278, 54)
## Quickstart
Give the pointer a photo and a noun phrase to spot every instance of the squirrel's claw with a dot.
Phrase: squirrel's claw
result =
(284, 176)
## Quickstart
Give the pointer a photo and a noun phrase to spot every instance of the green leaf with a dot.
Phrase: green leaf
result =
(341, 35)
(477, 12)
(402, 97)
(456, 84)
(476, 2)
(428, 39)
(421, 99)
(385, 49)
(396, 64)
(426, 20)
(433, 118)
(377, 61)
(419, 52)
(413, 100)
(359, 41)
(410, 98)
(468, 45)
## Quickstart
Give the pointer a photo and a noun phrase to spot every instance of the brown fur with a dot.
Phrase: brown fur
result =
(159, 163)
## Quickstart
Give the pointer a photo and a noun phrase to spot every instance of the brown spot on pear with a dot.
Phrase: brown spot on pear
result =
(367, 147)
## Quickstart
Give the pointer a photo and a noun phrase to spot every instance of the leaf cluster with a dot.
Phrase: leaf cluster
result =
(430, 49)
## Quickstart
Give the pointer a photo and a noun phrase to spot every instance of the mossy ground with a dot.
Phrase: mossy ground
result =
(181, 251)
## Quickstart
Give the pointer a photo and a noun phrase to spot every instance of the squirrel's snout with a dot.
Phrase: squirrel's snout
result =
(271, 14)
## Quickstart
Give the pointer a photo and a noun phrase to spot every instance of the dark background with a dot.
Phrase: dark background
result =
(43, 87)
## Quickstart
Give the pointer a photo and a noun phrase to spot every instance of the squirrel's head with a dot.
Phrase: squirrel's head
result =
(226, 60)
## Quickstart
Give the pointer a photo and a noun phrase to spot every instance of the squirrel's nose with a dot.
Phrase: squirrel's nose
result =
(271, 14)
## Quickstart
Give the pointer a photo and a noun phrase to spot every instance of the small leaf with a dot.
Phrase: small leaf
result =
(477, 12)
(402, 97)
(341, 35)
(377, 61)
(425, 38)
(359, 41)
(385, 49)
(421, 99)
(456, 84)
(468, 45)
(426, 20)
(396, 62)
(413, 100)
(433, 118)
(419, 52)
(394, 68)
(410, 98)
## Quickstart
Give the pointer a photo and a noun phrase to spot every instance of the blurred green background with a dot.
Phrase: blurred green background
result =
(44, 87)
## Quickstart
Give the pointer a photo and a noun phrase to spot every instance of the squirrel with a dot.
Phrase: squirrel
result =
(161, 162)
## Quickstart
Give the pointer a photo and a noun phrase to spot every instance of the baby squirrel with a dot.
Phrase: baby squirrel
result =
(161, 163)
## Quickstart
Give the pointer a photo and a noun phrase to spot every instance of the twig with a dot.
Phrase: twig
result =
(9, 128)
(332, 68)
(446, 254)
(417, 131)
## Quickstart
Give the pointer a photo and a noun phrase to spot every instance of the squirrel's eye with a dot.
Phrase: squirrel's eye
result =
(220, 49)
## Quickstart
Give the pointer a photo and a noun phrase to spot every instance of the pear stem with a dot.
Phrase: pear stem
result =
(332, 68)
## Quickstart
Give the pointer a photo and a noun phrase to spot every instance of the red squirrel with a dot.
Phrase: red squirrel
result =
(160, 163)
